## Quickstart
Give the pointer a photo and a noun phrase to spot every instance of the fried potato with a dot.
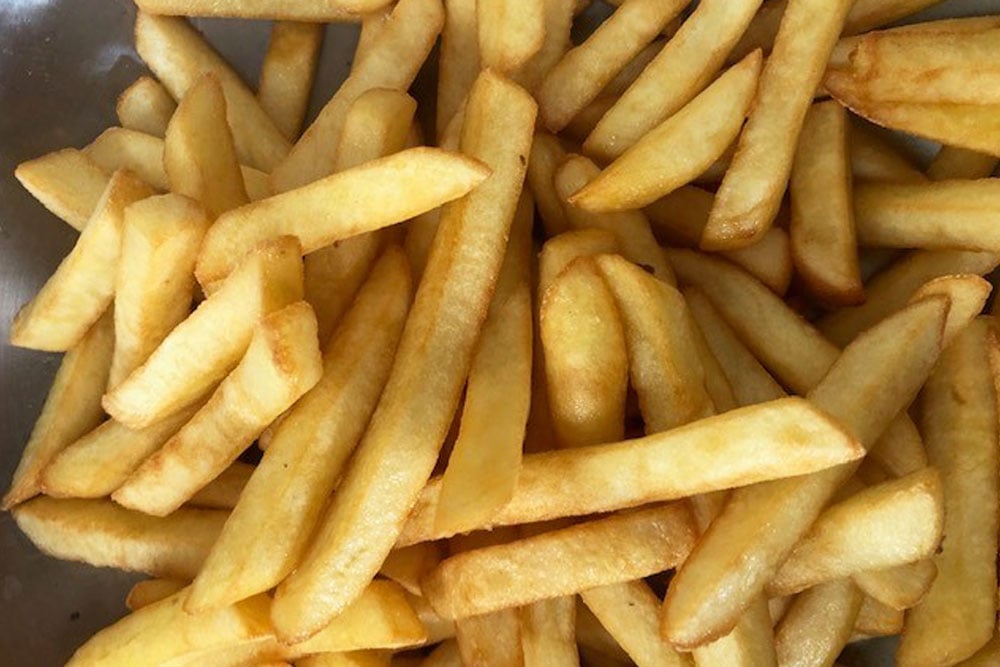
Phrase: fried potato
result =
(72, 408)
(586, 119)
(270, 527)
(145, 106)
(560, 251)
(178, 55)
(408, 565)
(749, 644)
(510, 33)
(101, 533)
(680, 148)
(371, 658)
(281, 363)
(83, 285)
(876, 619)
(490, 639)
(899, 587)
(627, 75)
(875, 158)
(985, 656)
(967, 293)
(149, 591)
(444, 655)
(594, 641)
(547, 154)
(224, 491)
(617, 548)
(202, 349)
(67, 182)
(960, 163)
(557, 16)
(548, 632)
(438, 629)
(818, 624)
(392, 61)
(420, 233)
(458, 62)
(287, 73)
(327, 11)
(752, 188)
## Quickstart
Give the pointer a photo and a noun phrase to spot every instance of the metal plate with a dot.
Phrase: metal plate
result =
(62, 65)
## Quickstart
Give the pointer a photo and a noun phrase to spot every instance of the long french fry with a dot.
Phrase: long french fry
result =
(510, 33)
(458, 64)
(145, 106)
(326, 11)
(67, 182)
(287, 73)
(490, 639)
(818, 624)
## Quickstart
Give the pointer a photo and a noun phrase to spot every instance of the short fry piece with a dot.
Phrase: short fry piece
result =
(876, 619)
(68, 183)
(287, 73)
(148, 591)
(145, 106)
(510, 32)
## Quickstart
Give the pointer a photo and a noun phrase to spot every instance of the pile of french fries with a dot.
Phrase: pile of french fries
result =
(647, 352)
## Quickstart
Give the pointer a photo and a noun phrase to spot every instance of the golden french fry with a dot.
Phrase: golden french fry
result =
(83, 286)
(270, 528)
(490, 639)
(547, 154)
(224, 491)
(688, 62)
(408, 565)
(149, 591)
(510, 32)
(438, 629)
(899, 587)
(752, 188)
(423, 390)
(281, 363)
(72, 408)
(818, 625)
(178, 55)
(750, 643)
(680, 148)
(326, 11)
(202, 349)
(585, 70)
(140, 153)
(371, 658)
(986, 656)
(420, 234)
(618, 548)
(967, 293)
(875, 158)
(145, 106)
(101, 533)
(458, 63)
(393, 59)
(876, 619)
(548, 632)
(628, 74)
(67, 182)
(959, 418)
(557, 16)
(560, 251)
(586, 119)
(958, 163)
(287, 73)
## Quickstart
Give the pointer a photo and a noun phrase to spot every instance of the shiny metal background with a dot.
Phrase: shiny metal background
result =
(62, 65)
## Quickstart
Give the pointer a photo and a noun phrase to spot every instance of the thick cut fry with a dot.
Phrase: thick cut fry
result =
(401, 446)
(490, 639)
(899, 587)
(408, 565)
(270, 528)
(154, 285)
(618, 548)
(688, 62)
(392, 61)
(876, 619)
(958, 163)
(202, 349)
(178, 55)
(72, 408)
(510, 32)
(824, 247)
(83, 286)
(959, 418)
(326, 11)
(548, 632)
(101, 533)
(680, 148)
(224, 491)
(818, 624)
(547, 154)
(752, 188)
(458, 63)
(875, 158)
(287, 73)
(586, 69)
(281, 363)
(149, 591)
(145, 106)
(785, 437)
(560, 251)
(68, 183)
(198, 151)
(383, 192)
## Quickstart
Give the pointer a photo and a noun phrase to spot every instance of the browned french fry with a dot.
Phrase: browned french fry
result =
(547, 154)
(145, 106)
(287, 73)
(818, 624)
(548, 632)
(148, 591)
(327, 11)
(408, 565)
(224, 491)
(510, 33)
(899, 587)
(68, 183)
(952, 163)
(874, 158)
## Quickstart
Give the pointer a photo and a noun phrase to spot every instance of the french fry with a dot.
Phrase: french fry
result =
(618, 548)
(752, 188)
(224, 491)
(392, 61)
(326, 11)
(445, 655)
(270, 528)
(68, 183)
(281, 363)
(510, 33)
(547, 154)
(818, 624)
(101, 533)
(370, 658)
(490, 639)
(959, 416)
(83, 285)
(386, 191)
(958, 163)
(154, 281)
(586, 119)
(372, 24)
(592, 637)
(627, 75)
(750, 643)
(680, 148)
(177, 54)
(408, 565)
(438, 629)
(72, 408)
(877, 620)
(874, 158)
(548, 632)
(707, 455)
(145, 106)
(422, 393)
(420, 234)
(558, 22)
(985, 656)
(688, 62)
(586, 69)
(202, 349)
(824, 247)
(560, 251)
(149, 591)
(198, 151)
(967, 293)
(899, 587)
(458, 64)
(287, 73)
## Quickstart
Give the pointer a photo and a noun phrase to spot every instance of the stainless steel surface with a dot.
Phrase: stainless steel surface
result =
(62, 65)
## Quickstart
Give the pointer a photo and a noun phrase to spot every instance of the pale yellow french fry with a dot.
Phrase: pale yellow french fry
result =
(104, 534)
(270, 528)
(326, 11)
(680, 148)
(548, 632)
(287, 73)
(392, 61)
(558, 21)
(71, 409)
(154, 282)
(752, 188)
(145, 106)
(899, 587)
(677, 464)
(458, 64)
(547, 154)
(67, 182)
(749, 644)
(818, 625)
(959, 417)
(423, 391)
(149, 591)
(876, 619)
(689, 61)
(198, 151)
(585, 70)
(385, 191)
(407, 566)
(281, 363)
(874, 158)
(83, 286)
(958, 163)
(490, 639)
(510, 32)
(438, 629)
(177, 54)
(371, 25)
(560, 251)
(824, 246)
(202, 349)
(224, 491)
(618, 548)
